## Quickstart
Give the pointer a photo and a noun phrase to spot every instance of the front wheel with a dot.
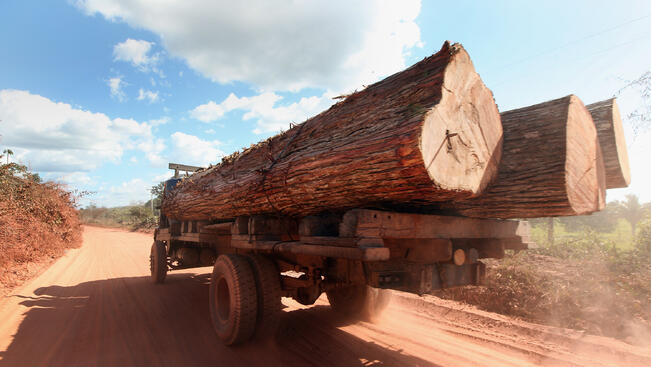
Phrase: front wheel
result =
(158, 262)
(233, 299)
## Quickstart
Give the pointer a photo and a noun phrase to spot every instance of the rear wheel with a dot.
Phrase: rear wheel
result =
(233, 299)
(359, 301)
(158, 262)
(267, 279)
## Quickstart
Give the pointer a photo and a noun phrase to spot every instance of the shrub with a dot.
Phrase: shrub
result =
(38, 220)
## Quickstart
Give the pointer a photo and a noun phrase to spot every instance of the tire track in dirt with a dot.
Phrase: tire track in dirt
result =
(96, 306)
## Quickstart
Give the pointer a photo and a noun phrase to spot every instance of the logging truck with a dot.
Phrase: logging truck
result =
(352, 256)
(404, 185)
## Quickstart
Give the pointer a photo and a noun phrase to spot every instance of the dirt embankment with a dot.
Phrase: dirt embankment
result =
(38, 222)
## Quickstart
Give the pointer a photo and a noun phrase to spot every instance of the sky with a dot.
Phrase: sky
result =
(101, 95)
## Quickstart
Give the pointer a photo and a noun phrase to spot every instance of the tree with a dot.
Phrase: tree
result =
(643, 239)
(8, 152)
(631, 210)
(157, 196)
(640, 117)
(157, 191)
(602, 221)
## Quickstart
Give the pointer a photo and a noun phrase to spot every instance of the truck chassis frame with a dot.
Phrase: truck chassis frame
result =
(346, 255)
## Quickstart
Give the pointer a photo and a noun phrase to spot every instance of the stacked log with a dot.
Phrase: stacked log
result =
(611, 138)
(551, 165)
(427, 139)
(426, 135)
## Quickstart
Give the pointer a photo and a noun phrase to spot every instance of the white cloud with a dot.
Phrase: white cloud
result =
(263, 108)
(208, 112)
(190, 149)
(116, 84)
(337, 45)
(210, 131)
(128, 192)
(75, 178)
(160, 121)
(153, 149)
(55, 137)
(163, 177)
(148, 95)
(137, 52)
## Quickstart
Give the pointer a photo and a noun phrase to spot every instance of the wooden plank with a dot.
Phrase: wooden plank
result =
(421, 250)
(183, 167)
(381, 224)
(218, 228)
(214, 238)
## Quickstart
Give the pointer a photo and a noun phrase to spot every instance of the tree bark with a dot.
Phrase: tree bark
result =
(613, 144)
(551, 165)
(428, 134)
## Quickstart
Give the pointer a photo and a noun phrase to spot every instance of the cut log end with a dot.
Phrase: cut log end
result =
(583, 164)
(461, 139)
(608, 122)
(551, 165)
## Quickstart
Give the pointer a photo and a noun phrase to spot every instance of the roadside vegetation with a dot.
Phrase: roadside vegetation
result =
(140, 216)
(592, 273)
(38, 221)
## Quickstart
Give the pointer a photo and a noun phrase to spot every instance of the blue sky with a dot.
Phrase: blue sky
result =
(101, 95)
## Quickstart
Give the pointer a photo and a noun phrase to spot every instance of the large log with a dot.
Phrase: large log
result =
(613, 144)
(428, 134)
(551, 165)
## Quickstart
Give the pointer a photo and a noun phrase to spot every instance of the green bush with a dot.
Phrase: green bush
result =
(643, 238)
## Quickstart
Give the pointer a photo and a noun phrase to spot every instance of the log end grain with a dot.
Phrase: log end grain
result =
(551, 165)
(585, 184)
(461, 138)
(608, 122)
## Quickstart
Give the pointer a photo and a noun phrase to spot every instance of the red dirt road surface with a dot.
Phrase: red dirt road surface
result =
(97, 307)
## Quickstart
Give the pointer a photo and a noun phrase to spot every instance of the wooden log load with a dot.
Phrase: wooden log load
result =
(613, 144)
(551, 165)
(428, 134)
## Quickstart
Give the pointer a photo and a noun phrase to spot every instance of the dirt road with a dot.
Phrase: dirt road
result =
(96, 306)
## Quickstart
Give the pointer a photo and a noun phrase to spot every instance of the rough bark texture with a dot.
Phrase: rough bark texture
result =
(428, 134)
(551, 165)
(613, 144)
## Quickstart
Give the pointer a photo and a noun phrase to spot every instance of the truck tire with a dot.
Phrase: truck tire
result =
(158, 262)
(233, 299)
(359, 301)
(267, 279)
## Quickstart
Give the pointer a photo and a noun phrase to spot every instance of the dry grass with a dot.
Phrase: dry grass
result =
(595, 289)
(38, 222)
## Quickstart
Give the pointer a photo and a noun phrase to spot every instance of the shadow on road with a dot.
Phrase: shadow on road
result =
(132, 322)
